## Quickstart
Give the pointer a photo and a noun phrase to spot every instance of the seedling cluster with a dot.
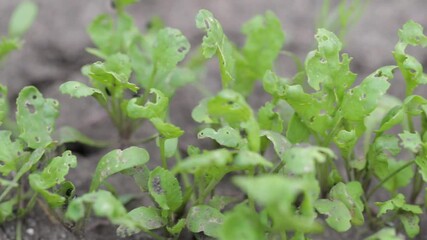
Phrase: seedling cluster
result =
(311, 158)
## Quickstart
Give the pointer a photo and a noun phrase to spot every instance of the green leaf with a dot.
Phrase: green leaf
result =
(297, 131)
(6, 209)
(412, 34)
(385, 234)
(230, 107)
(117, 161)
(338, 214)
(71, 135)
(411, 141)
(268, 119)
(165, 189)
(8, 45)
(146, 218)
(4, 104)
(150, 110)
(178, 227)
(171, 146)
(350, 194)
(35, 117)
(104, 204)
(166, 130)
(393, 117)
(242, 223)
(208, 159)
(421, 162)
(34, 158)
(264, 40)
(325, 68)
(53, 174)
(114, 73)
(9, 153)
(360, 101)
(78, 90)
(121, 4)
(249, 159)
(226, 136)
(220, 202)
(22, 18)
(397, 203)
(280, 143)
(302, 160)
(216, 43)
(204, 219)
(346, 140)
(410, 224)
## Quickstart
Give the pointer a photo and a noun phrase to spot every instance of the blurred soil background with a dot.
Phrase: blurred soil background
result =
(54, 52)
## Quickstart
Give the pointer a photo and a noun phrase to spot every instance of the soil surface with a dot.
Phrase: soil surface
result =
(54, 52)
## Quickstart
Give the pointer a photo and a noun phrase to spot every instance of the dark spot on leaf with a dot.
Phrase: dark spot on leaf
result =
(182, 49)
(351, 92)
(34, 97)
(37, 139)
(30, 107)
(107, 91)
(322, 60)
(230, 102)
(325, 38)
(156, 184)
(413, 71)
(113, 4)
(363, 96)
(312, 119)
(49, 129)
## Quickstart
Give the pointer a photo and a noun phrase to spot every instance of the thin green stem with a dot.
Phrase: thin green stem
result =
(417, 185)
(379, 185)
(18, 231)
(162, 152)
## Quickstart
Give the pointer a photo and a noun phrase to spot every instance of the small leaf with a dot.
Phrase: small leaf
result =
(242, 223)
(53, 174)
(6, 209)
(302, 160)
(8, 45)
(230, 107)
(394, 116)
(226, 136)
(280, 143)
(171, 146)
(205, 160)
(166, 130)
(150, 110)
(411, 141)
(204, 219)
(117, 161)
(78, 90)
(22, 18)
(297, 131)
(412, 33)
(268, 119)
(386, 234)
(35, 117)
(165, 189)
(338, 215)
(9, 152)
(216, 43)
(249, 159)
(220, 202)
(146, 218)
(4, 105)
(411, 224)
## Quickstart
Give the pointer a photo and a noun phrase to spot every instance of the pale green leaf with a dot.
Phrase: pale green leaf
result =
(249, 159)
(53, 174)
(22, 18)
(338, 214)
(8, 45)
(78, 90)
(166, 130)
(10, 151)
(242, 223)
(117, 161)
(411, 141)
(146, 218)
(71, 135)
(302, 160)
(156, 109)
(205, 160)
(226, 136)
(206, 219)
(297, 131)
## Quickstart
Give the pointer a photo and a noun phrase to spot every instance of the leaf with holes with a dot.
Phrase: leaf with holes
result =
(411, 141)
(78, 90)
(206, 219)
(226, 136)
(216, 43)
(166, 130)
(150, 110)
(117, 161)
(9, 153)
(302, 160)
(165, 189)
(338, 214)
(350, 194)
(36, 117)
(53, 174)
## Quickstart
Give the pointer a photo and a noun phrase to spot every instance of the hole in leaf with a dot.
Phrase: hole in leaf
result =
(107, 91)
(49, 129)
(351, 92)
(322, 112)
(379, 74)
(34, 97)
(207, 25)
(312, 119)
(325, 38)
(322, 60)
(37, 139)
(182, 49)
(30, 107)
(363, 96)
(157, 185)
(413, 71)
